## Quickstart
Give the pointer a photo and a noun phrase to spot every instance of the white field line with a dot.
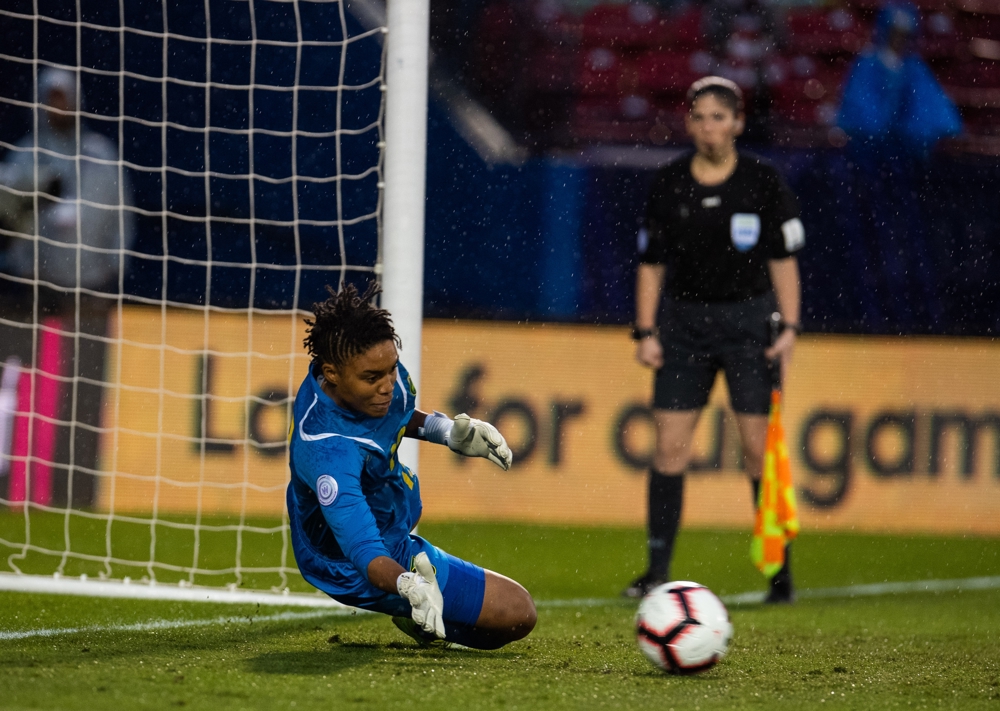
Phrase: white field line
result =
(51, 585)
(849, 591)
(157, 625)
(876, 589)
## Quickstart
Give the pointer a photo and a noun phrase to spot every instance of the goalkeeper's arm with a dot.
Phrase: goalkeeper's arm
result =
(419, 587)
(465, 435)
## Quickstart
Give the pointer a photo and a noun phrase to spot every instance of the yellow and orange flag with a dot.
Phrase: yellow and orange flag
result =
(777, 520)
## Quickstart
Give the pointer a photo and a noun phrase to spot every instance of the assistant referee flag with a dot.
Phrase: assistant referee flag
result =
(777, 520)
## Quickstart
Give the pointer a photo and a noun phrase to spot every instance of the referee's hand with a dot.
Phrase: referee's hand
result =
(649, 352)
(782, 350)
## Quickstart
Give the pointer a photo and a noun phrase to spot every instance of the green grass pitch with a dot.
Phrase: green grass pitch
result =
(919, 650)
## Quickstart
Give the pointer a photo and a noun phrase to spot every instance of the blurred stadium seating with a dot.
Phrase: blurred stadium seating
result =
(616, 72)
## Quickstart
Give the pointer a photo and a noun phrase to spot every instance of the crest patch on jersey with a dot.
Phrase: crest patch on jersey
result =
(410, 386)
(744, 229)
(714, 201)
(326, 490)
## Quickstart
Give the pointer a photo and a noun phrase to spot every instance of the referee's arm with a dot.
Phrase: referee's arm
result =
(785, 280)
(652, 249)
(648, 285)
(787, 289)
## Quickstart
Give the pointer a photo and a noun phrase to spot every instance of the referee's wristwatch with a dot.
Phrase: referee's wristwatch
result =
(787, 326)
(639, 334)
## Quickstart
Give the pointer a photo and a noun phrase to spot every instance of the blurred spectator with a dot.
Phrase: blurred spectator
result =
(62, 194)
(894, 112)
(741, 36)
(892, 103)
(82, 232)
(731, 25)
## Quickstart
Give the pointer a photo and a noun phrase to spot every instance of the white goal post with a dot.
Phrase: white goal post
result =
(405, 177)
(255, 150)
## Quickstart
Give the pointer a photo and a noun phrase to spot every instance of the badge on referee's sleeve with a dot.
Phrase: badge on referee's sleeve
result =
(744, 229)
(794, 233)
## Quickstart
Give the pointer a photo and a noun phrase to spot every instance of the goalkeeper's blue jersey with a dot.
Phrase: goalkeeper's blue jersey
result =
(349, 500)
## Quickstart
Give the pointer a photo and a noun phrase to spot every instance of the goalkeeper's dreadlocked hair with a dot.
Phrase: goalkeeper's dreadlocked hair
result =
(347, 324)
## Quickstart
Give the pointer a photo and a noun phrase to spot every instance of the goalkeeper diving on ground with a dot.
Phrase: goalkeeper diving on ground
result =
(352, 504)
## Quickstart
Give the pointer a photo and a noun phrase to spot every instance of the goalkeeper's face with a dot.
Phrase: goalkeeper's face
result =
(364, 383)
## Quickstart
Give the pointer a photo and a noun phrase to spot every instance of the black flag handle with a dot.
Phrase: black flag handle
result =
(775, 363)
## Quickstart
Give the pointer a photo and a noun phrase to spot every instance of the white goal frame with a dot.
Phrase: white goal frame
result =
(402, 275)
(400, 267)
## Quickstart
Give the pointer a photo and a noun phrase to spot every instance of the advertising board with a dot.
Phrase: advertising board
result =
(197, 420)
(886, 434)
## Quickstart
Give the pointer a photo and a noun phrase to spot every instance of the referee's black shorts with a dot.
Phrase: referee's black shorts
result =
(701, 339)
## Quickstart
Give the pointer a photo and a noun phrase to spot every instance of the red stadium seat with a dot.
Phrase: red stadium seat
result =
(743, 73)
(988, 49)
(554, 70)
(669, 117)
(625, 120)
(972, 74)
(984, 7)
(870, 7)
(809, 93)
(497, 21)
(604, 72)
(979, 25)
(940, 38)
(974, 86)
(555, 25)
(928, 6)
(825, 32)
(802, 112)
(983, 122)
(683, 31)
(865, 8)
(666, 73)
(623, 26)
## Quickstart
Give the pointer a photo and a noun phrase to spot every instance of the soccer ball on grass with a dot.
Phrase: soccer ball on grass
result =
(682, 627)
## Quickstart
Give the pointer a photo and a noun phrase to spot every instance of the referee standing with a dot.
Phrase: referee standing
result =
(720, 235)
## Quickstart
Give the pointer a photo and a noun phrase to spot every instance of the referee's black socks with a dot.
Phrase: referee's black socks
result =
(666, 499)
(781, 584)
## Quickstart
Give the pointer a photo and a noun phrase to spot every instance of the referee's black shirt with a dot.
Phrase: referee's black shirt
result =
(716, 241)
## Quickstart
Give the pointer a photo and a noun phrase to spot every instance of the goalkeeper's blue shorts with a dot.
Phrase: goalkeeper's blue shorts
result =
(462, 584)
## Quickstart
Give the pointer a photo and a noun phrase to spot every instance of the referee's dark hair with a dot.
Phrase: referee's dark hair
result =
(347, 324)
(726, 91)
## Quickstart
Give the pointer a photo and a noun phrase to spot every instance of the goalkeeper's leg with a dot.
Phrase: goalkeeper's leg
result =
(507, 614)
(482, 609)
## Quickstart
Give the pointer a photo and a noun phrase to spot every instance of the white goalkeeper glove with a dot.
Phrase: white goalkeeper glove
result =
(475, 438)
(422, 592)
(469, 436)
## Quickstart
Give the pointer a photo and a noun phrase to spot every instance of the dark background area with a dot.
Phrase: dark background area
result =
(279, 259)
(912, 249)
(917, 253)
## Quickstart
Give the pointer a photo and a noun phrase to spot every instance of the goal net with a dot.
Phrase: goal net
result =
(179, 182)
